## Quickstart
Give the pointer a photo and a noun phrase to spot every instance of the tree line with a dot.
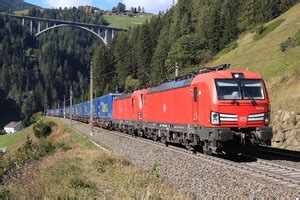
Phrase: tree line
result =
(36, 73)
(190, 34)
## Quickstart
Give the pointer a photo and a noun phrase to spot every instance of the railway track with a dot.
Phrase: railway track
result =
(276, 172)
(280, 152)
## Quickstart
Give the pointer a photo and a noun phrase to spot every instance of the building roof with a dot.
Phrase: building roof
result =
(12, 125)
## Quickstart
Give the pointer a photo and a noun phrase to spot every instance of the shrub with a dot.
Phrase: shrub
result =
(42, 129)
(78, 183)
(5, 193)
(155, 169)
(2, 167)
(64, 146)
(260, 29)
(30, 151)
(29, 120)
(43, 149)
(102, 165)
(289, 43)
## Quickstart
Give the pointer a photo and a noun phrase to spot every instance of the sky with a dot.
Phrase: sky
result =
(153, 6)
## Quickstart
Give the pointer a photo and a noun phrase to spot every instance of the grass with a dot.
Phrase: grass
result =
(263, 55)
(84, 171)
(262, 31)
(8, 140)
(125, 21)
(15, 141)
(21, 12)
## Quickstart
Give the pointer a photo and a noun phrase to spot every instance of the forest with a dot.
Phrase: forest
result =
(190, 34)
(11, 5)
(36, 74)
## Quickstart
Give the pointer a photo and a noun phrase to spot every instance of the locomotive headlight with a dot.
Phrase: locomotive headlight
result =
(215, 118)
(267, 118)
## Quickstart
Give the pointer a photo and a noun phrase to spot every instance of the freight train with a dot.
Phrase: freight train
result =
(216, 111)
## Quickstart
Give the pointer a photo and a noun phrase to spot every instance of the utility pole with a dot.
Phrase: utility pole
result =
(91, 101)
(64, 106)
(71, 104)
(176, 70)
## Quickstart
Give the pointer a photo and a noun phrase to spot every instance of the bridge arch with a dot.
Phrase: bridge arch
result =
(73, 26)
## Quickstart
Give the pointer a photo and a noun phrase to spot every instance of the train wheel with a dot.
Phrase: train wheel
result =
(206, 148)
(164, 141)
(189, 147)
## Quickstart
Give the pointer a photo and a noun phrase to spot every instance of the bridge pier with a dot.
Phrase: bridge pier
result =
(106, 36)
(31, 27)
(112, 34)
(39, 27)
(23, 21)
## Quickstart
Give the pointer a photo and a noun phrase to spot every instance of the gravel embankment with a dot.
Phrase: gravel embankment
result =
(197, 177)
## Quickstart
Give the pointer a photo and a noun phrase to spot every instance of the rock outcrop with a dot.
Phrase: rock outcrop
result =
(286, 130)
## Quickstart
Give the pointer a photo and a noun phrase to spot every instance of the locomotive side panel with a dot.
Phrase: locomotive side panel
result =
(170, 107)
(122, 109)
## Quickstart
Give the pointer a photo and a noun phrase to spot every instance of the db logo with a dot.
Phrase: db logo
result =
(242, 119)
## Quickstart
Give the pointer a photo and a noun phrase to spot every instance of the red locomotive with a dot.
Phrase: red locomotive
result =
(217, 110)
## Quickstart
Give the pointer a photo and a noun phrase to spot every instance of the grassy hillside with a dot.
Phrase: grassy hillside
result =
(66, 165)
(262, 53)
(8, 140)
(22, 12)
(126, 22)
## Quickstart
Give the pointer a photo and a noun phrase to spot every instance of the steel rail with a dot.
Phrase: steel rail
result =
(280, 152)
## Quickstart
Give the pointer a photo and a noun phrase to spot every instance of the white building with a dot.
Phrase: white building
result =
(13, 127)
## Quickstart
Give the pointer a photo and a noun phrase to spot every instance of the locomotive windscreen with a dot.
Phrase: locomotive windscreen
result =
(234, 89)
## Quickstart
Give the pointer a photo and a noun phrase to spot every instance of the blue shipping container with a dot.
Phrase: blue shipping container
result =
(86, 109)
(103, 107)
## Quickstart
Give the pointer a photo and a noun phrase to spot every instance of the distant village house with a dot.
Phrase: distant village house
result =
(13, 127)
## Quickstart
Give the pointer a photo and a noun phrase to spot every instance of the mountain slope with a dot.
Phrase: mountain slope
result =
(125, 21)
(281, 70)
(6, 5)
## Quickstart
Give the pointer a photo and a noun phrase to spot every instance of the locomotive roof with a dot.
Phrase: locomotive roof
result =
(123, 96)
(228, 74)
(171, 85)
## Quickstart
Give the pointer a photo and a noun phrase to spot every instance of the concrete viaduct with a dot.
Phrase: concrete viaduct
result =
(38, 26)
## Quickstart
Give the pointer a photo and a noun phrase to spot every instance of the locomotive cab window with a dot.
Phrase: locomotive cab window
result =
(228, 89)
(235, 89)
(252, 89)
